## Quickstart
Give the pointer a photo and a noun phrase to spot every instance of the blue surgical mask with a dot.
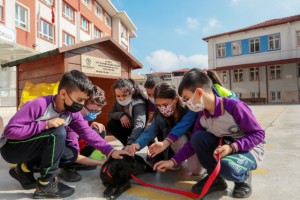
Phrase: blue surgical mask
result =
(90, 116)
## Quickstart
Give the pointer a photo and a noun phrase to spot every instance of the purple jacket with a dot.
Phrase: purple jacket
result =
(30, 120)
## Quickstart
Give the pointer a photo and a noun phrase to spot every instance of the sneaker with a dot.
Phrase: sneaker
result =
(243, 189)
(80, 167)
(219, 184)
(54, 189)
(69, 175)
(26, 179)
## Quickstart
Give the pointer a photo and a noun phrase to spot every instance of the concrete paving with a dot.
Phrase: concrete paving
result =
(277, 178)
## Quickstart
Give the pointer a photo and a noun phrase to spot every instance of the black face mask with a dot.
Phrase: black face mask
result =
(75, 107)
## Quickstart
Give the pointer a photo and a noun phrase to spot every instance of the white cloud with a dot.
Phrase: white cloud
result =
(163, 60)
(211, 25)
(192, 23)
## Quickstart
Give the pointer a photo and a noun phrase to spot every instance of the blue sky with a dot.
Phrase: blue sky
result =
(170, 32)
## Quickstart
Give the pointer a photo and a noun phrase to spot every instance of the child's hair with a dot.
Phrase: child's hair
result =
(129, 85)
(193, 79)
(213, 77)
(152, 81)
(167, 91)
(98, 96)
(76, 79)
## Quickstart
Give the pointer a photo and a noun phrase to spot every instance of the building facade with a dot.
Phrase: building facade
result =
(31, 27)
(261, 61)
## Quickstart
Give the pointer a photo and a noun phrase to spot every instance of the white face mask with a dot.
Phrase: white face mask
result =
(152, 100)
(196, 107)
(125, 102)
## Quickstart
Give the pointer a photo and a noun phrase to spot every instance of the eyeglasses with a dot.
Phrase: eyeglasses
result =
(94, 112)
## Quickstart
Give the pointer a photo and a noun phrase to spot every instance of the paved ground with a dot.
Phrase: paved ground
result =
(277, 178)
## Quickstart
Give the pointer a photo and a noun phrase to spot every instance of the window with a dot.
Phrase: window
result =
(298, 38)
(21, 15)
(68, 39)
(48, 2)
(274, 42)
(254, 45)
(1, 12)
(254, 94)
(238, 75)
(298, 70)
(84, 24)
(124, 33)
(238, 94)
(220, 50)
(223, 76)
(275, 96)
(46, 30)
(87, 3)
(236, 48)
(97, 33)
(107, 20)
(275, 72)
(98, 11)
(68, 12)
(254, 74)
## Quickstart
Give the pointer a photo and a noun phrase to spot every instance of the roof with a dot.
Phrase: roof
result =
(182, 70)
(159, 73)
(134, 63)
(272, 22)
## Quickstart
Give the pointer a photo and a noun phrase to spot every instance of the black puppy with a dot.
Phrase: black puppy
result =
(115, 174)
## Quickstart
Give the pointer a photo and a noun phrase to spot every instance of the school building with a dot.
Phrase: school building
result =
(260, 62)
(30, 27)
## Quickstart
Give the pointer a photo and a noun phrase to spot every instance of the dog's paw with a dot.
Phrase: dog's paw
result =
(108, 192)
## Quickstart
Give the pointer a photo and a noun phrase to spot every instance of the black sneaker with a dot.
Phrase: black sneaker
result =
(54, 189)
(219, 184)
(69, 175)
(26, 179)
(243, 189)
(80, 167)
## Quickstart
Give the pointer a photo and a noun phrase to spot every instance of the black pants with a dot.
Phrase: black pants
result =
(116, 129)
(44, 152)
(88, 149)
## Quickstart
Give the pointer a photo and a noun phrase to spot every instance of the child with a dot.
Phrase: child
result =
(170, 112)
(43, 135)
(191, 116)
(242, 149)
(92, 108)
(127, 118)
(149, 85)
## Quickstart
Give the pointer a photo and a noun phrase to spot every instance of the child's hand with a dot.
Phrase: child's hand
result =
(98, 126)
(55, 122)
(131, 149)
(224, 150)
(125, 121)
(117, 154)
(157, 147)
(162, 166)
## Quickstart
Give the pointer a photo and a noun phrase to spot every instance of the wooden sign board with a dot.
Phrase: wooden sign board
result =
(100, 66)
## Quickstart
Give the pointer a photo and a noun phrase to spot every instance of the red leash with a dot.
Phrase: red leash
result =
(205, 189)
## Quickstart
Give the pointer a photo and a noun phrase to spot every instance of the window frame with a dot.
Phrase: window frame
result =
(255, 71)
(239, 45)
(44, 36)
(70, 9)
(70, 35)
(107, 16)
(253, 40)
(275, 96)
(256, 94)
(88, 25)
(274, 41)
(2, 12)
(275, 69)
(100, 32)
(240, 75)
(47, 2)
(222, 47)
(223, 76)
(88, 5)
(27, 14)
(298, 38)
(298, 70)
(97, 5)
